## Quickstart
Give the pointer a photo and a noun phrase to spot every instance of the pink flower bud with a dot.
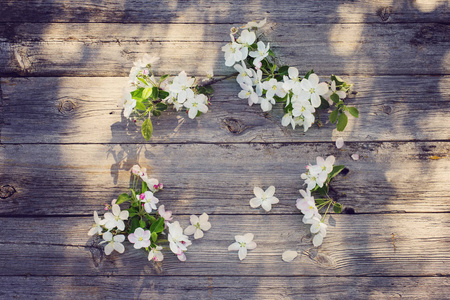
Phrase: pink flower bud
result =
(145, 72)
(142, 196)
(258, 65)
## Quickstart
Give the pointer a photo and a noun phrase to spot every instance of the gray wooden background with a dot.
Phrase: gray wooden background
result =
(65, 149)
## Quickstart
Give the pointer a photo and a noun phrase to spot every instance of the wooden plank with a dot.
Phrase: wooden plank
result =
(215, 11)
(341, 49)
(219, 178)
(235, 287)
(358, 245)
(84, 110)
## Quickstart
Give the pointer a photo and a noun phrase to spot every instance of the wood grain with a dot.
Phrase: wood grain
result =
(219, 178)
(399, 245)
(84, 110)
(98, 50)
(138, 11)
(212, 287)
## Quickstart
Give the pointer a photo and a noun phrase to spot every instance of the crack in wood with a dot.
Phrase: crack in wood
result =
(234, 126)
(7, 191)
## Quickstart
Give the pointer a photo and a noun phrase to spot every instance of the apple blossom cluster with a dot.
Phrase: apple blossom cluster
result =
(263, 83)
(147, 96)
(143, 223)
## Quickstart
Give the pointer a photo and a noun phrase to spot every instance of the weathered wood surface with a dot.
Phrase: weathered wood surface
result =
(357, 245)
(84, 110)
(234, 287)
(367, 49)
(219, 178)
(216, 11)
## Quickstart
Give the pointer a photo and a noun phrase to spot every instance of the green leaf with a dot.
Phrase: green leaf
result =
(137, 94)
(342, 122)
(320, 201)
(144, 187)
(323, 103)
(309, 73)
(333, 116)
(156, 113)
(140, 105)
(158, 226)
(206, 90)
(336, 170)
(147, 129)
(338, 80)
(161, 106)
(146, 93)
(283, 70)
(337, 208)
(353, 111)
(154, 236)
(271, 53)
(151, 219)
(122, 198)
(142, 80)
(334, 97)
(321, 190)
(155, 93)
(142, 223)
(163, 94)
(134, 224)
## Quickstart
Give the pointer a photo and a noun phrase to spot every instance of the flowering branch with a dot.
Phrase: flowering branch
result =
(147, 96)
(264, 83)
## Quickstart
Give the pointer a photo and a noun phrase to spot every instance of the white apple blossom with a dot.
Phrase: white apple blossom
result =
(135, 170)
(312, 179)
(307, 205)
(155, 254)
(116, 218)
(196, 104)
(243, 243)
(312, 89)
(341, 94)
(113, 242)
(178, 242)
(152, 183)
(145, 60)
(261, 53)
(140, 238)
(181, 86)
(265, 199)
(305, 111)
(149, 201)
(318, 228)
(198, 225)
(128, 105)
(253, 24)
(288, 119)
(245, 74)
(289, 255)
(266, 103)
(292, 81)
(249, 94)
(97, 226)
(273, 87)
(247, 38)
(257, 81)
(234, 52)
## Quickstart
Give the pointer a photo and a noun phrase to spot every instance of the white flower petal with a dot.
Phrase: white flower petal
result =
(270, 191)
(190, 230)
(289, 255)
(317, 240)
(234, 247)
(355, 156)
(248, 237)
(322, 88)
(109, 249)
(194, 219)
(313, 79)
(198, 234)
(255, 202)
(339, 143)
(242, 253)
(266, 205)
(251, 245)
(258, 192)
(118, 247)
(116, 209)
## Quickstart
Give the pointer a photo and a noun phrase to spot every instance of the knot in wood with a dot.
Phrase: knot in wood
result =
(234, 126)
(66, 105)
(384, 13)
(387, 109)
(7, 191)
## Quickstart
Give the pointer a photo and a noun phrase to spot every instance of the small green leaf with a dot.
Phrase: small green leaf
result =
(353, 111)
(336, 170)
(146, 93)
(206, 90)
(147, 129)
(309, 73)
(156, 113)
(338, 80)
(140, 105)
(144, 187)
(337, 208)
(151, 219)
(161, 106)
(333, 116)
(283, 70)
(154, 236)
(334, 97)
(342, 122)
(142, 80)
(142, 223)
(271, 53)
(137, 94)
(321, 190)
(163, 77)
(158, 226)
(122, 198)
(134, 224)
(155, 93)
(163, 94)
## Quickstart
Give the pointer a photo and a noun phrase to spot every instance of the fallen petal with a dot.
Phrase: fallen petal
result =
(339, 143)
(289, 255)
